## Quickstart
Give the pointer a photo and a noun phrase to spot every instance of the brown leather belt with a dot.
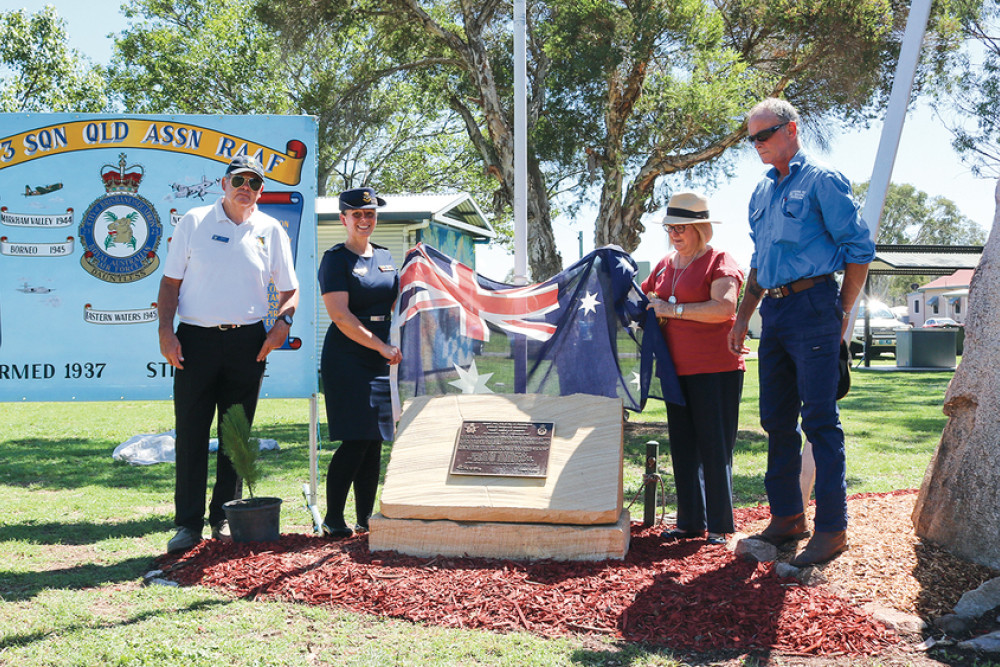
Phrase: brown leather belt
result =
(796, 286)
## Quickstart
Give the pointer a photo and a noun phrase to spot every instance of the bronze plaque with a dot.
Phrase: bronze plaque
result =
(503, 449)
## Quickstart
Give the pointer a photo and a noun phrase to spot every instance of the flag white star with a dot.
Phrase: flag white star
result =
(635, 379)
(633, 326)
(470, 381)
(625, 265)
(634, 297)
(588, 304)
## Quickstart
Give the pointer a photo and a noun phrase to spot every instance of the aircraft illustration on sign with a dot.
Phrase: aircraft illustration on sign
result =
(198, 190)
(41, 189)
(33, 290)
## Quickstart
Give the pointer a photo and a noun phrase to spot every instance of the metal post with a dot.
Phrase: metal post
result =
(520, 143)
(650, 480)
(899, 98)
(310, 490)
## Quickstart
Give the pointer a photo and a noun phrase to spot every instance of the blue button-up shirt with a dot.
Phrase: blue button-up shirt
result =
(806, 225)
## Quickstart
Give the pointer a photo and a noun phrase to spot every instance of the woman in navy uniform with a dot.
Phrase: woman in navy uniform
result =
(359, 283)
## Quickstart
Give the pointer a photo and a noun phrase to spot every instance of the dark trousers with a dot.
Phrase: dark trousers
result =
(220, 370)
(355, 462)
(799, 356)
(702, 439)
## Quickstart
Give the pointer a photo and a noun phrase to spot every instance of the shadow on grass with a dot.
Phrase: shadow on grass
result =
(28, 638)
(70, 463)
(77, 534)
(17, 586)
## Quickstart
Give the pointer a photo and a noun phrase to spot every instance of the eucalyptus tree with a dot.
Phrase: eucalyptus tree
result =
(974, 90)
(196, 56)
(38, 70)
(623, 95)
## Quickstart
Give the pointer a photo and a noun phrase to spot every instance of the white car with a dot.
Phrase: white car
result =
(883, 325)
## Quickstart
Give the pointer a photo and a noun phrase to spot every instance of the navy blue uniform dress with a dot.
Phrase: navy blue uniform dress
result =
(356, 381)
(356, 378)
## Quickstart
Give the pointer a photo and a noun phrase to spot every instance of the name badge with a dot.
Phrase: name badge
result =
(386, 267)
(361, 271)
(220, 239)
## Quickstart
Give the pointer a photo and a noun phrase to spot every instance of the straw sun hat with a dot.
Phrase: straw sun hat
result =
(686, 208)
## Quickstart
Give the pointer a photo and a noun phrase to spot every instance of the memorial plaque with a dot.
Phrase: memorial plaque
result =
(503, 449)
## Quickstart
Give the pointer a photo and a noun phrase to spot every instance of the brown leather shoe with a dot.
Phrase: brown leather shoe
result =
(783, 529)
(821, 548)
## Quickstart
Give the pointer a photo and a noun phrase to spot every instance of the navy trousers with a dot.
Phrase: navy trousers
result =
(799, 356)
(220, 370)
(702, 438)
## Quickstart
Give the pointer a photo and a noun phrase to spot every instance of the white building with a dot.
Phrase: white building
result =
(947, 296)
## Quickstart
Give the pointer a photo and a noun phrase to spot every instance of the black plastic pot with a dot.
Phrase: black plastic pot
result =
(254, 519)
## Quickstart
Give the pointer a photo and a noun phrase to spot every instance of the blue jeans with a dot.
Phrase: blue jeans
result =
(798, 356)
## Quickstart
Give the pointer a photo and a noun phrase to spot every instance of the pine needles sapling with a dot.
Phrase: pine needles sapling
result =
(242, 449)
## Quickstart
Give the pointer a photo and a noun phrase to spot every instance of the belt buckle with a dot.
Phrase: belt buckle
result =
(227, 327)
(776, 293)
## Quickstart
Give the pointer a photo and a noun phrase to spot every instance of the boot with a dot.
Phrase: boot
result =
(821, 548)
(784, 529)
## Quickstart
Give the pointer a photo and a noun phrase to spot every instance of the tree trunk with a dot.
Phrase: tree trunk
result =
(959, 502)
(498, 153)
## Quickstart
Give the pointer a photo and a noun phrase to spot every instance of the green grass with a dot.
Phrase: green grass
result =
(78, 531)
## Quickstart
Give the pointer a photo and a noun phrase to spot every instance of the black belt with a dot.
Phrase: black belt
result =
(796, 286)
(220, 327)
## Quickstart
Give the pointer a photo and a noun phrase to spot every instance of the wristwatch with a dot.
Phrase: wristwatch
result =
(286, 318)
(679, 310)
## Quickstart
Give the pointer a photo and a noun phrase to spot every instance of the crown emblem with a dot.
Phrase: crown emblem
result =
(366, 197)
(122, 178)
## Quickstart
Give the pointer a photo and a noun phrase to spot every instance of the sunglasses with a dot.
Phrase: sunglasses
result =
(675, 229)
(764, 135)
(254, 182)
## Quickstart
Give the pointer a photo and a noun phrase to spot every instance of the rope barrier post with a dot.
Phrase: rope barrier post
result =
(649, 481)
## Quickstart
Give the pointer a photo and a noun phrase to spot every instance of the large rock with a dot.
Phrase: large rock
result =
(958, 505)
(974, 604)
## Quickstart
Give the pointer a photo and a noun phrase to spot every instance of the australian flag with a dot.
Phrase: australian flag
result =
(586, 330)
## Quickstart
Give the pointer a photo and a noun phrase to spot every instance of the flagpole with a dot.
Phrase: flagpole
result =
(520, 145)
(892, 129)
(520, 180)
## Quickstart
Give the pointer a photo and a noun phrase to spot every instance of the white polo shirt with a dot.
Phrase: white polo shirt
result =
(225, 268)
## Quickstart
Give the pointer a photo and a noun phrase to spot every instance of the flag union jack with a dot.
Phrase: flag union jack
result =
(586, 330)
(431, 280)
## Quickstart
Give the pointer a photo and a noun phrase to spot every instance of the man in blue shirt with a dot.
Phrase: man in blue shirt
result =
(805, 227)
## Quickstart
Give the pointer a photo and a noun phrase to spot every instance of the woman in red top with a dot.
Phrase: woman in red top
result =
(694, 292)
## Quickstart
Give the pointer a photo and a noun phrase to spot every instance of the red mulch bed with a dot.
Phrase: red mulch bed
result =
(688, 596)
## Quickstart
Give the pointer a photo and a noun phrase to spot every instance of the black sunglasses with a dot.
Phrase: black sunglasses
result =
(254, 182)
(764, 135)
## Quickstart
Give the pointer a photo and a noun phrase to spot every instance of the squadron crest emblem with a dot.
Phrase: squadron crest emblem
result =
(120, 231)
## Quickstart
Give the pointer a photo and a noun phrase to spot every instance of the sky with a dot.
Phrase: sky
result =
(925, 160)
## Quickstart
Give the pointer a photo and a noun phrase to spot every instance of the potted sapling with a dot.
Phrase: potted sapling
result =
(250, 519)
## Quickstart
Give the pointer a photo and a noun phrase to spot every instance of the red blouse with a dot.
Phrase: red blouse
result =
(696, 347)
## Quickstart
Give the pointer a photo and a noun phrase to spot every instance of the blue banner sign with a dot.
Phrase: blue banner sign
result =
(88, 204)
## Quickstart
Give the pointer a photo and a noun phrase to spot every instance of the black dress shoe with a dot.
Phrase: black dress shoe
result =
(338, 532)
(678, 534)
(360, 528)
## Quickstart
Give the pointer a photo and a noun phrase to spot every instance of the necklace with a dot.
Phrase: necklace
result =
(677, 276)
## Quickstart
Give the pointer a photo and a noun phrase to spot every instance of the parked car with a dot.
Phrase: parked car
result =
(883, 325)
(941, 322)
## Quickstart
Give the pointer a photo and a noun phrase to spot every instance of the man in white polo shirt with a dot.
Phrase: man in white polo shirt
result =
(215, 279)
